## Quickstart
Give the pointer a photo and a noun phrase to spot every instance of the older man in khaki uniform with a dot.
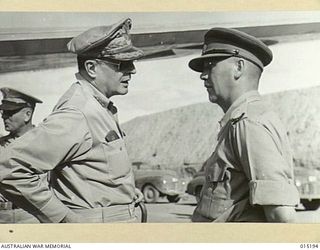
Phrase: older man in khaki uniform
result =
(17, 109)
(249, 177)
(81, 142)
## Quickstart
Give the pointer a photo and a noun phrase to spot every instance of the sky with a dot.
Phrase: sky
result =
(153, 21)
(165, 84)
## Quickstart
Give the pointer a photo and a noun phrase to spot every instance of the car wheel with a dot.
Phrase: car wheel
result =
(198, 193)
(173, 198)
(150, 193)
(311, 205)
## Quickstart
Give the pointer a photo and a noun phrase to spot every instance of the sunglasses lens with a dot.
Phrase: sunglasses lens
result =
(120, 66)
(8, 113)
(126, 65)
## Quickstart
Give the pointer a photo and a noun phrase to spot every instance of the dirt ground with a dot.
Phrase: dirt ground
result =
(165, 212)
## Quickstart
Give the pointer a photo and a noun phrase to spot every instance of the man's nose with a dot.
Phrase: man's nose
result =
(204, 76)
(133, 70)
(130, 69)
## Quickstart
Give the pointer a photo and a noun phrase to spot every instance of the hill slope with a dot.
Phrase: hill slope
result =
(188, 134)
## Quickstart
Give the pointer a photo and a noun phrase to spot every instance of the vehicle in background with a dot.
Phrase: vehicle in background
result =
(194, 187)
(308, 184)
(306, 180)
(156, 183)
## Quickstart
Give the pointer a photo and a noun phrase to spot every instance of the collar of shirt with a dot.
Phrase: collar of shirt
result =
(103, 100)
(236, 109)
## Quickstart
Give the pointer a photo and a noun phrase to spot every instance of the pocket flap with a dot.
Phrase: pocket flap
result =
(216, 172)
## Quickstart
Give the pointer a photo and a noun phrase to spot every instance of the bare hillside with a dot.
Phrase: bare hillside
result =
(188, 134)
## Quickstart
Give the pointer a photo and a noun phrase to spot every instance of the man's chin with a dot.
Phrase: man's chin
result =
(213, 99)
(123, 91)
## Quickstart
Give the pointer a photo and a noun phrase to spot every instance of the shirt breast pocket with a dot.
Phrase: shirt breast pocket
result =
(217, 173)
(117, 158)
(215, 198)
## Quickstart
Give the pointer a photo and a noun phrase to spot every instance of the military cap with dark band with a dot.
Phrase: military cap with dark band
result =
(14, 99)
(112, 42)
(225, 42)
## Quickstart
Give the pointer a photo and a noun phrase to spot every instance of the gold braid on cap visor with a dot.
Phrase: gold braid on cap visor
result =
(120, 46)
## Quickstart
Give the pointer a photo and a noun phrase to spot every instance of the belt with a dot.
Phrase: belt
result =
(107, 214)
(110, 209)
(7, 205)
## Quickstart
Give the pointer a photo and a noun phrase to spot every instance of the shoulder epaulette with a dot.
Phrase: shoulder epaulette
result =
(235, 120)
(4, 140)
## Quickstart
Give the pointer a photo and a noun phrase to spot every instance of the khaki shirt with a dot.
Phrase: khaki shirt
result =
(4, 142)
(88, 168)
(250, 167)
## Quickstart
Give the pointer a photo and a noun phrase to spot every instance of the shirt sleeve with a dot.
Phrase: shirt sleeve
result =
(264, 155)
(62, 137)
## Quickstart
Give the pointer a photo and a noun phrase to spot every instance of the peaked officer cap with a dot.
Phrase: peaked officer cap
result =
(225, 42)
(112, 42)
(14, 99)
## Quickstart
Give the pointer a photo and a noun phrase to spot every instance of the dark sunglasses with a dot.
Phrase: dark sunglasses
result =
(119, 65)
(9, 113)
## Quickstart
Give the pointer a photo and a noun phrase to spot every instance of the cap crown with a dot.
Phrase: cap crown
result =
(225, 42)
(235, 39)
(14, 99)
(113, 41)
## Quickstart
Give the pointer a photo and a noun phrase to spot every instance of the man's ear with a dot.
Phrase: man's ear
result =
(28, 115)
(91, 66)
(239, 68)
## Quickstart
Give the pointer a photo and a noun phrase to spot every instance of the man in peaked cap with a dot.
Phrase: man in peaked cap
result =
(249, 177)
(17, 110)
(81, 142)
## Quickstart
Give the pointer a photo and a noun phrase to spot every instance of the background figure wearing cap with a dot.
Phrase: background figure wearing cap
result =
(249, 177)
(81, 143)
(17, 110)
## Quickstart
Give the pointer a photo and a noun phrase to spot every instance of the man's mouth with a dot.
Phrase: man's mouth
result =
(207, 85)
(125, 82)
(126, 78)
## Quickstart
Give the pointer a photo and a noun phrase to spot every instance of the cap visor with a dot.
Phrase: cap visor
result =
(196, 64)
(6, 106)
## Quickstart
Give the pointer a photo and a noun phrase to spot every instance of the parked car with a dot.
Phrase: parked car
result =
(306, 180)
(156, 183)
(194, 187)
(308, 184)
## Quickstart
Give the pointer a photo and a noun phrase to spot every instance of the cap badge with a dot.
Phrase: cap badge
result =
(205, 46)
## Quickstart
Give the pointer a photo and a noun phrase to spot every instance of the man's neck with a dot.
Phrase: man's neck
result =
(23, 130)
(92, 82)
(234, 97)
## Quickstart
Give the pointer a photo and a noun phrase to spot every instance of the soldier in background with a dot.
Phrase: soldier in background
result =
(80, 143)
(249, 177)
(17, 109)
